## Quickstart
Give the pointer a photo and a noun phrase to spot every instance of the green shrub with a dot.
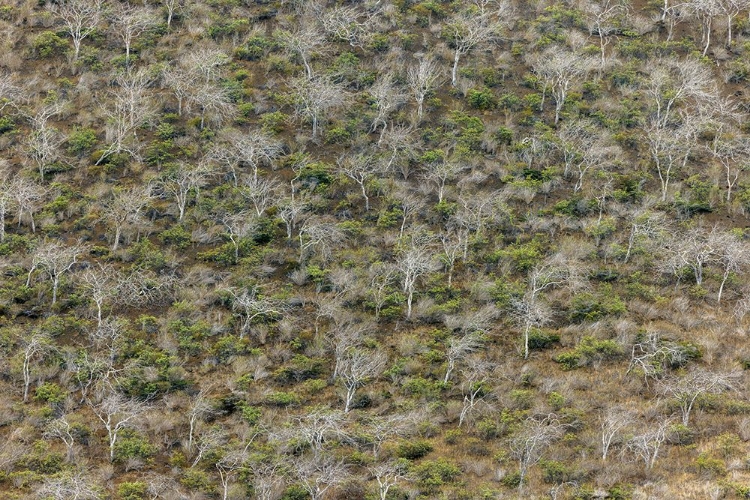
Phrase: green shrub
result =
(588, 351)
(135, 490)
(413, 450)
(81, 141)
(539, 339)
(435, 473)
(49, 44)
(587, 306)
(281, 398)
(131, 445)
(481, 99)
(50, 392)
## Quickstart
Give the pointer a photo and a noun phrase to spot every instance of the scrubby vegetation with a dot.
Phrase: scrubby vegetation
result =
(383, 250)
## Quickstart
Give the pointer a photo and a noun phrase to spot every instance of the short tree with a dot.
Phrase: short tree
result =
(55, 260)
(686, 390)
(357, 367)
(423, 78)
(129, 22)
(315, 97)
(466, 31)
(116, 412)
(80, 17)
(530, 443)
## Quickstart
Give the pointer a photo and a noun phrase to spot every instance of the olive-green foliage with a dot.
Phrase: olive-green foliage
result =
(434, 473)
(588, 351)
(132, 490)
(49, 44)
(413, 450)
(588, 306)
(81, 141)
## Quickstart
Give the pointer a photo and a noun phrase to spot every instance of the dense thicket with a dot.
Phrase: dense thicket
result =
(384, 249)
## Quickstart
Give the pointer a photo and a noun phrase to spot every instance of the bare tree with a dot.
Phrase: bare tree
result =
(60, 428)
(238, 225)
(268, 479)
(200, 408)
(604, 20)
(305, 41)
(705, 11)
(380, 429)
(7, 200)
(413, 263)
(320, 235)
(459, 348)
(647, 445)
(694, 249)
(256, 149)
(55, 260)
(229, 465)
(172, 7)
(320, 474)
(44, 141)
(387, 99)
(648, 225)
(686, 390)
(387, 475)
(80, 17)
(423, 78)
(350, 24)
(474, 386)
(28, 196)
(116, 412)
(289, 211)
(360, 168)
(206, 62)
(315, 97)
(316, 427)
(733, 257)
(357, 367)
(559, 70)
(672, 82)
(129, 23)
(251, 305)
(732, 151)
(214, 102)
(182, 181)
(670, 148)
(584, 147)
(440, 172)
(125, 209)
(69, 486)
(731, 9)
(531, 311)
(466, 31)
(33, 348)
(181, 82)
(529, 444)
(612, 421)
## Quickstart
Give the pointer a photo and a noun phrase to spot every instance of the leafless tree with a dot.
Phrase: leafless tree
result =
(705, 11)
(182, 181)
(670, 148)
(200, 408)
(648, 225)
(320, 474)
(672, 82)
(181, 82)
(653, 355)
(731, 9)
(316, 427)
(612, 422)
(604, 19)
(116, 412)
(212, 439)
(55, 260)
(531, 311)
(360, 168)
(60, 428)
(559, 70)
(387, 99)
(129, 22)
(69, 486)
(28, 195)
(529, 444)
(289, 211)
(80, 17)
(694, 249)
(442, 171)
(467, 31)
(34, 347)
(251, 305)
(387, 475)
(357, 367)
(381, 429)
(460, 347)
(320, 235)
(733, 257)
(43, 143)
(207, 62)
(402, 146)
(474, 388)
(423, 78)
(686, 390)
(413, 263)
(256, 149)
(315, 97)
(268, 479)
(125, 209)
(304, 41)
(647, 445)
(172, 7)
(732, 151)
(350, 24)
(229, 465)
(238, 225)
(7, 200)
(214, 103)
